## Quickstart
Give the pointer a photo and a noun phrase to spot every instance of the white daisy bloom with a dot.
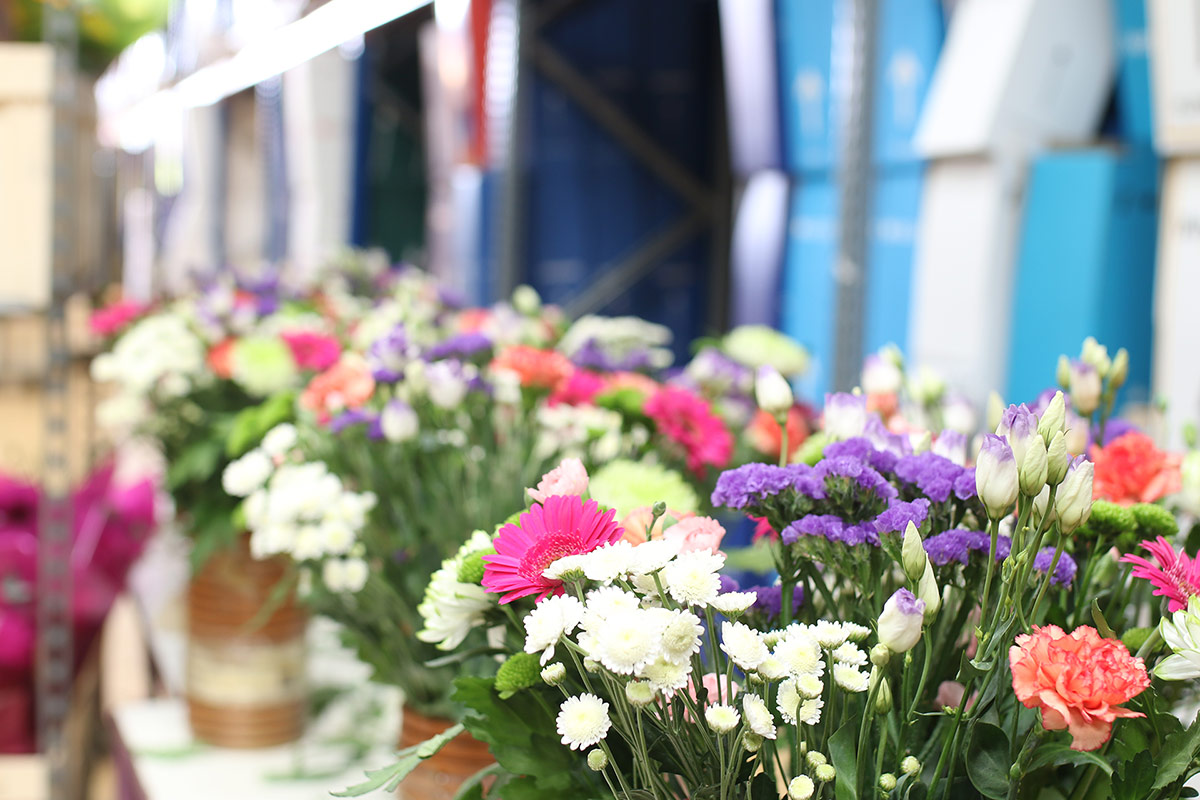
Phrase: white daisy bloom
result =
(722, 717)
(809, 686)
(772, 668)
(800, 653)
(247, 474)
(850, 653)
(562, 566)
(606, 564)
(828, 634)
(855, 632)
(583, 721)
(731, 603)
(639, 693)
(451, 610)
(801, 787)
(743, 645)
(549, 621)
(850, 678)
(602, 603)
(787, 701)
(280, 439)
(681, 636)
(809, 711)
(665, 676)
(651, 556)
(692, 577)
(626, 642)
(758, 716)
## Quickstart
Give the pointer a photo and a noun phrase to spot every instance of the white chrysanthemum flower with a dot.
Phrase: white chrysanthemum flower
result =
(562, 566)
(606, 564)
(550, 620)
(828, 634)
(772, 638)
(681, 636)
(731, 603)
(850, 653)
(653, 555)
(758, 716)
(787, 700)
(665, 676)
(639, 693)
(743, 645)
(772, 668)
(626, 642)
(344, 575)
(850, 678)
(583, 721)
(800, 653)
(692, 577)
(809, 685)
(554, 674)
(722, 718)
(247, 474)
(605, 601)
(801, 787)
(280, 439)
(855, 632)
(338, 536)
(451, 610)
(809, 711)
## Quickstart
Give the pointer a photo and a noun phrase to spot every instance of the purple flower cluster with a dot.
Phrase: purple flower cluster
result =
(833, 528)
(461, 345)
(899, 513)
(862, 449)
(389, 354)
(1064, 573)
(592, 356)
(936, 476)
(770, 599)
(749, 484)
(957, 545)
(858, 471)
(357, 416)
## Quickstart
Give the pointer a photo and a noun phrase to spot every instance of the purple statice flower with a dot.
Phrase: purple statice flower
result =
(861, 448)
(592, 356)
(951, 445)
(827, 525)
(858, 471)
(964, 484)
(934, 475)
(1064, 572)
(350, 418)
(884, 441)
(748, 484)
(461, 345)
(390, 354)
(728, 584)
(899, 513)
(451, 298)
(770, 599)
(957, 545)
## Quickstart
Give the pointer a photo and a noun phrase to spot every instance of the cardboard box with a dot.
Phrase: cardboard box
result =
(1017, 75)
(896, 205)
(1176, 323)
(1085, 266)
(1175, 75)
(962, 283)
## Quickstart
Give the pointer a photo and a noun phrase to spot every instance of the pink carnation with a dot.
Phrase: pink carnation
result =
(562, 526)
(313, 351)
(696, 534)
(569, 477)
(111, 319)
(686, 419)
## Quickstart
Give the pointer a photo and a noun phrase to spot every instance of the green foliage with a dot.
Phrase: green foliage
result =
(1178, 752)
(388, 778)
(251, 424)
(1134, 638)
(813, 448)
(1134, 778)
(988, 761)
(519, 671)
(842, 754)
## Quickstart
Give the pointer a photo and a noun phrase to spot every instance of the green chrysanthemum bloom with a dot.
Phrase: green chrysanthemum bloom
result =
(761, 346)
(263, 365)
(1153, 521)
(1134, 638)
(1109, 521)
(520, 671)
(626, 485)
(470, 568)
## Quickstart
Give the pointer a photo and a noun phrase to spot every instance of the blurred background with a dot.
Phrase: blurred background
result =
(982, 183)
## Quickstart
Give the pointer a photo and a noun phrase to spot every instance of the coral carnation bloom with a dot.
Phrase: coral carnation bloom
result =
(537, 369)
(220, 358)
(314, 351)
(1175, 577)
(347, 384)
(767, 437)
(563, 525)
(687, 420)
(1130, 469)
(1077, 680)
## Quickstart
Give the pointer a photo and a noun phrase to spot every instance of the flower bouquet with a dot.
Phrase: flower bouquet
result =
(936, 629)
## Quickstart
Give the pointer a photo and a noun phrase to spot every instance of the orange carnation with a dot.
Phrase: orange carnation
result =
(347, 384)
(220, 358)
(766, 436)
(1132, 470)
(1077, 680)
(537, 369)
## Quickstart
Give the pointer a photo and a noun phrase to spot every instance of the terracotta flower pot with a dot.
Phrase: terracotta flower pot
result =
(245, 674)
(439, 777)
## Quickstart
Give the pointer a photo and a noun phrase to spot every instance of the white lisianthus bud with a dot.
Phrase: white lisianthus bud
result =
(1096, 354)
(526, 300)
(1073, 504)
(845, 415)
(1120, 369)
(900, 624)
(772, 392)
(883, 695)
(1085, 388)
(930, 593)
(881, 375)
(927, 386)
(1057, 459)
(1053, 418)
(912, 553)
(1063, 373)
(398, 421)
(921, 441)
(996, 476)
(1033, 467)
(995, 410)
(880, 655)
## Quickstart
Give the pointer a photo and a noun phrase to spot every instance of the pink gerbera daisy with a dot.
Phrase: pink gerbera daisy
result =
(563, 525)
(1175, 577)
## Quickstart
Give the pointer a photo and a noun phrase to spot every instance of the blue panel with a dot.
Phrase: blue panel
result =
(909, 39)
(809, 288)
(1085, 265)
(896, 206)
(805, 31)
(1134, 117)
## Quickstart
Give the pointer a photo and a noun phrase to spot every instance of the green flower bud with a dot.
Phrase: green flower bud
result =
(825, 773)
(883, 696)
(1096, 355)
(815, 759)
(1053, 418)
(1120, 370)
(929, 591)
(910, 766)
(526, 300)
(1073, 505)
(1034, 467)
(470, 569)
(912, 553)
(995, 411)
(880, 655)
(554, 674)
(639, 693)
(1057, 458)
(887, 781)
(1063, 374)
(751, 741)
(520, 671)
(597, 760)
(1153, 521)
(591, 665)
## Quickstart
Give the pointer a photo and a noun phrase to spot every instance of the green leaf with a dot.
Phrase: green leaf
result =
(987, 760)
(1177, 754)
(1101, 623)
(472, 787)
(390, 777)
(1135, 778)
(1056, 753)
(842, 746)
